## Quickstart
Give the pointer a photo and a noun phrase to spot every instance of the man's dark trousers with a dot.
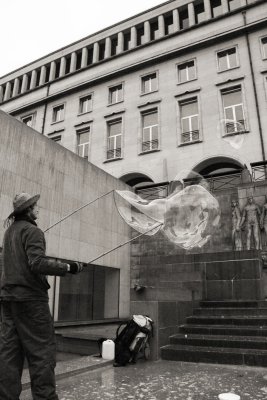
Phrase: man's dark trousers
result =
(27, 331)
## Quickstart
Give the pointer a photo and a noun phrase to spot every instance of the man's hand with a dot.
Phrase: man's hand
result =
(75, 267)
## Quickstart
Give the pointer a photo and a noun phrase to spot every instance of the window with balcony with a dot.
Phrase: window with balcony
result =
(114, 139)
(115, 94)
(85, 104)
(149, 83)
(227, 59)
(233, 108)
(264, 47)
(83, 141)
(58, 113)
(186, 71)
(150, 131)
(189, 115)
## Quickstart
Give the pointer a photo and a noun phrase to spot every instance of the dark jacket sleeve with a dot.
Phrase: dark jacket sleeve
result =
(34, 242)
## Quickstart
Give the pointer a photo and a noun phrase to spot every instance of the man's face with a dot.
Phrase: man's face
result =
(34, 212)
(250, 200)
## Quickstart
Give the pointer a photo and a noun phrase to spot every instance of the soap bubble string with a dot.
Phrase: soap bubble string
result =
(120, 245)
(114, 248)
(78, 209)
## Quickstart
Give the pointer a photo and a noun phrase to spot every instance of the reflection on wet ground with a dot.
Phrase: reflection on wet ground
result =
(164, 380)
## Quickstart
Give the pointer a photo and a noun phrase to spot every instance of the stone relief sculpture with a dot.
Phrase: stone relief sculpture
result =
(263, 219)
(251, 218)
(236, 219)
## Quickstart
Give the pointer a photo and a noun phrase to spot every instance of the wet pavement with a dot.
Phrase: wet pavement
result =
(163, 380)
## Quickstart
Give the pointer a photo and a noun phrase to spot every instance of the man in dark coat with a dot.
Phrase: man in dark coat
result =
(27, 328)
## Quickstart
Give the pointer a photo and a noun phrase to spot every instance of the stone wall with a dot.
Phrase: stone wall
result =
(33, 163)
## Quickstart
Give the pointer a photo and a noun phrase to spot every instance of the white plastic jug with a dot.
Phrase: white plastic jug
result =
(108, 350)
(228, 396)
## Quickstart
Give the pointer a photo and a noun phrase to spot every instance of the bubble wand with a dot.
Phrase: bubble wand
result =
(78, 209)
(122, 244)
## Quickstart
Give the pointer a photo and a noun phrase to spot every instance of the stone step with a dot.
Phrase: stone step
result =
(215, 355)
(228, 320)
(230, 311)
(246, 342)
(84, 339)
(235, 330)
(234, 303)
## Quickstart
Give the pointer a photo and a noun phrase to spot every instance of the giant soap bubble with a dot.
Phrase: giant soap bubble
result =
(187, 217)
(143, 215)
(191, 216)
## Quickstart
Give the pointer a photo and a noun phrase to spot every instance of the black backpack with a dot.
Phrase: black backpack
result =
(123, 340)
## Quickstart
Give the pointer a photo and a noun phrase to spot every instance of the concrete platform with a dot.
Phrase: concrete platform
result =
(83, 340)
(70, 365)
(163, 380)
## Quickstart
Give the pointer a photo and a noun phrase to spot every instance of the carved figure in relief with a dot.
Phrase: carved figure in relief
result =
(236, 219)
(263, 219)
(251, 216)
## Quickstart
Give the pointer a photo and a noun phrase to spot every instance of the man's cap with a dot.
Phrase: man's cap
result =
(22, 201)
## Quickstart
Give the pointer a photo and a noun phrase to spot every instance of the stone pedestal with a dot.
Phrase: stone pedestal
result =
(233, 276)
(173, 286)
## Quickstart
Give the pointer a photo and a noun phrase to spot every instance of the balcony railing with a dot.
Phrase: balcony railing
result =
(113, 153)
(154, 192)
(190, 136)
(235, 127)
(150, 145)
(259, 171)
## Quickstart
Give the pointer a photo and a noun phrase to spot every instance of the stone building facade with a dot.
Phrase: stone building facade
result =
(181, 86)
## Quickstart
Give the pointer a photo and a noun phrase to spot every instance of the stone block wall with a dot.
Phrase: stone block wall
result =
(33, 163)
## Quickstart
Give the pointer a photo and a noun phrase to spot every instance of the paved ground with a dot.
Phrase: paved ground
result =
(163, 380)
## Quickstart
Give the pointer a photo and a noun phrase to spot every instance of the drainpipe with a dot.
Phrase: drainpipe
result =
(254, 87)
(45, 109)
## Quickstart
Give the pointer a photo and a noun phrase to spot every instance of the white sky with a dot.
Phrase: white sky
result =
(30, 29)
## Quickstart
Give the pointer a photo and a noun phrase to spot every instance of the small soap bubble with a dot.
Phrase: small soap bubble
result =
(232, 132)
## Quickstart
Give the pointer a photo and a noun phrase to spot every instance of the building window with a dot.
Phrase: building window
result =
(216, 8)
(186, 71)
(150, 130)
(200, 14)
(183, 17)
(83, 140)
(115, 94)
(149, 83)
(28, 120)
(114, 139)
(227, 59)
(264, 47)
(233, 4)
(85, 104)
(56, 139)
(189, 120)
(233, 110)
(58, 113)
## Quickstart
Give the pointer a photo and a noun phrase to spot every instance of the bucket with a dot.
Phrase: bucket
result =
(228, 396)
(108, 350)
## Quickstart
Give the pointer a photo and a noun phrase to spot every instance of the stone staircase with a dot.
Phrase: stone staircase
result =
(222, 332)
